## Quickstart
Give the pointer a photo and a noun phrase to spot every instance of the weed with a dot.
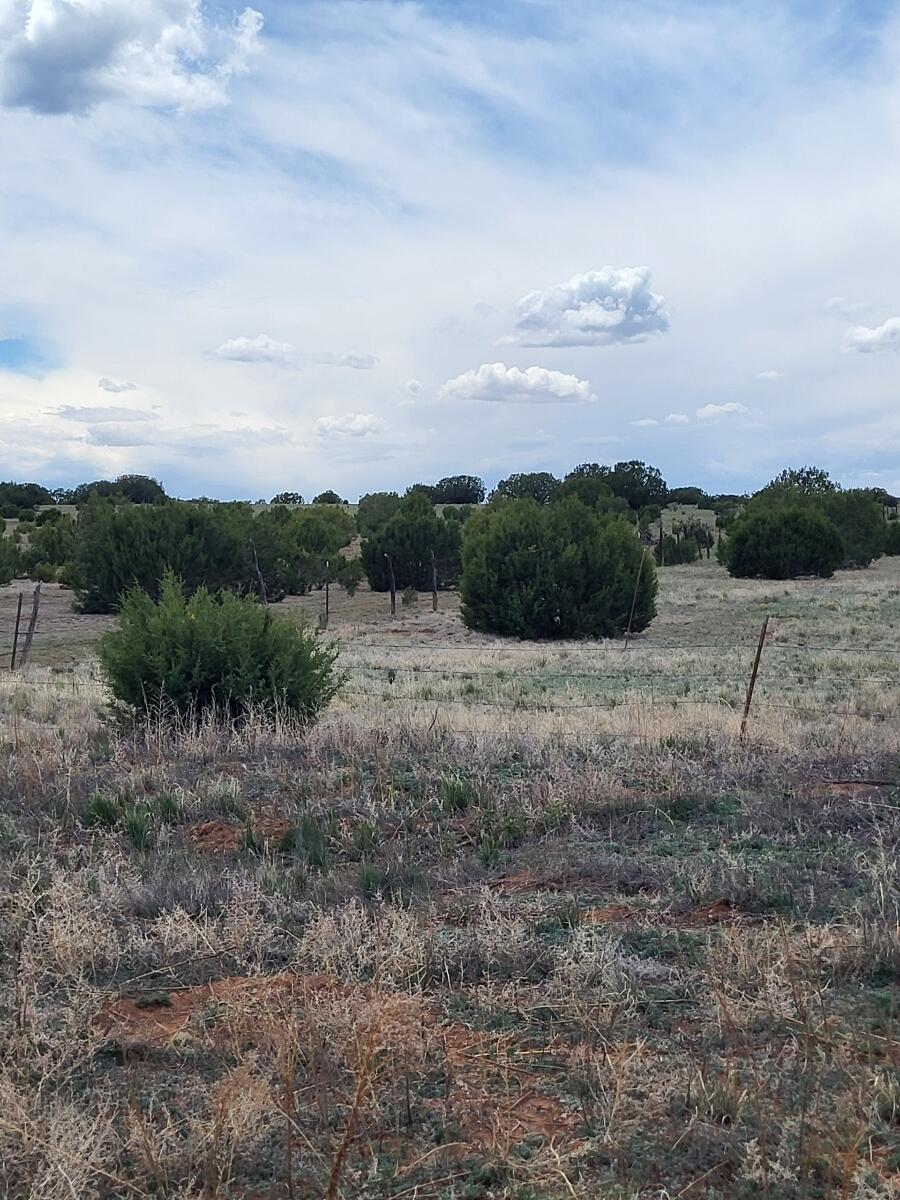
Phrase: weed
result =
(101, 811)
(138, 822)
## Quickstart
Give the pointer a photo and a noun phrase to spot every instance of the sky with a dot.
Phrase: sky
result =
(360, 243)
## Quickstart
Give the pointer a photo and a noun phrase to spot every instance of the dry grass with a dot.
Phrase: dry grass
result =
(468, 939)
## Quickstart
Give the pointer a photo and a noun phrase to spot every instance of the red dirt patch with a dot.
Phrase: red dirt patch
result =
(135, 1023)
(224, 837)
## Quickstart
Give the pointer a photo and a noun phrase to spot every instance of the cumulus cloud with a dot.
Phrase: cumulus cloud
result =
(116, 385)
(100, 413)
(866, 340)
(257, 349)
(500, 383)
(678, 419)
(646, 422)
(711, 412)
(66, 56)
(414, 388)
(349, 425)
(770, 376)
(598, 308)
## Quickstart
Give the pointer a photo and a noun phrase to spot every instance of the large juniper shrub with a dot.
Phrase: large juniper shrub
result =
(781, 541)
(556, 570)
(187, 655)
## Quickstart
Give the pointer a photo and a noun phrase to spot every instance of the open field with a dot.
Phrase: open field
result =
(513, 920)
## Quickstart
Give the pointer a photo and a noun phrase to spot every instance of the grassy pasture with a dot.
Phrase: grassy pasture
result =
(515, 920)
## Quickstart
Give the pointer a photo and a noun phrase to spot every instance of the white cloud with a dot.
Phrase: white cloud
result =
(597, 308)
(116, 385)
(257, 349)
(414, 388)
(263, 349)
(711, 412)
(866, 340)
(359, 362)
(66, 56)
(534, 385)
(770, 376)
(349, 425)
(646, 422)
(678, 419)
(841, 307)
(101, 413)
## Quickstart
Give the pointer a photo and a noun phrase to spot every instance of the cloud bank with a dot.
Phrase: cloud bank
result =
(598, 308)
(496, 382)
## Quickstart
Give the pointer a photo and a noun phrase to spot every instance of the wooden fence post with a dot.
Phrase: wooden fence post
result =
(393, 584)
(752, 684)
(434, 595)
(260, 582)
(32, 625)
(12, 661)
(637, 584)
(327, 592)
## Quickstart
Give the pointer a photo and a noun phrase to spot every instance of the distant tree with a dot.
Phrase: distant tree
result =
(18, 496)
(639, 484)
(328, 497)
(553, 571)
(409, 537)
(857, 516)
(592, 490)
(135, 489)
(426, 489)
(806, 481)
(892, 538)
(689, 496)
(287, 498)
(140, 489)
(374, 510)
(458, 489)
(10, 561)
(532, 485)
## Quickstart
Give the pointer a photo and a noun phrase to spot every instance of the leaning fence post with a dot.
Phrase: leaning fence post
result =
(392, 583)
(12, 661)
(434, 597)
(752, 684)
(32, 624)
(637, 584)
(327, 592)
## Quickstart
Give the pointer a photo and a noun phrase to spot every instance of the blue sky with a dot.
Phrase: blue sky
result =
(354, 244)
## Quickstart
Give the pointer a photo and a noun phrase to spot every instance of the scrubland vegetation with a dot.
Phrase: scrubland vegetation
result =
(521, 920)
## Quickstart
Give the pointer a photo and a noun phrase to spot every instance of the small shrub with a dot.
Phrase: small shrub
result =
(214, 652)
(102, 811)
(408, 597)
